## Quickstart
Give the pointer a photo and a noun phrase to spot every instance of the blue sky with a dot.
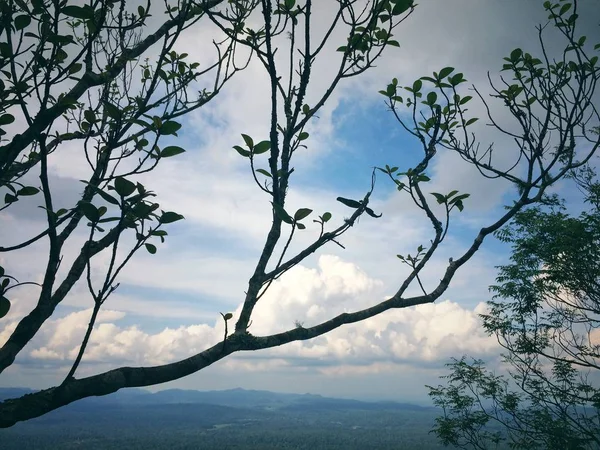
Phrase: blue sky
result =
(168, 304)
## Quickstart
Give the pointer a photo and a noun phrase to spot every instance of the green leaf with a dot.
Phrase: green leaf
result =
(151, 248)
(370, 212)
(264, 172)
(28, 190)
(516, 54)
(417, 85)
(393, 43)
(4, 306)
(452, 193)
(445, 72)
(471, 121)
(22, 21)
(401, 6)
(465, 99)
(171, 150)
(459, 205)
(261, 147)
(124, 187)
(74, 68)
(89, 115)
(89, 211)
(564, 9)
(326, 217)
(241, 151)
(170, 217)
(169, 127)
(105, 196)
(78, 12)
(5, 119)
(460, 198)
(281, 213)
(228, 316)
(112, 111)
(456, 79)
(248, 140)
(302, 213)
(349, 202)
(303, 136)
(431, 98)
(439, 197)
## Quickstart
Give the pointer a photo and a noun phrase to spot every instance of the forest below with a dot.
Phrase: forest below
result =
(231, 419)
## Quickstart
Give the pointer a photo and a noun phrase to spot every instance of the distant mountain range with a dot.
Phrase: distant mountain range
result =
(136, 419)
(233, 398)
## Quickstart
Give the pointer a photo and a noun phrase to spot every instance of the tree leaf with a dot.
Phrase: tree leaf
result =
(109, 198)
(445, 72)
(171, 150)
(5, 119)
(439, 197)
(241, 151)
(370, 212)
(516, 54)
(74, 68)
(281, 213)
(261, 147)
(89, 211)
(564, 9)
(4, 306)
(28, 190)
(170, 216)
(112, 111)
(248, 140)
(302, 213)
(228, 316)
(417, 85)
(169, 127)
(124, 187)
(349, 202)
(303, 136)
(301, 226)
(151, 248)
(401, 6)
(326, 217)
(264, 172)
(471, 121)
(22, 21)
(78, 12)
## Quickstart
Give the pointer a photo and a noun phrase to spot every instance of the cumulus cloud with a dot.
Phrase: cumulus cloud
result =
(422, 335)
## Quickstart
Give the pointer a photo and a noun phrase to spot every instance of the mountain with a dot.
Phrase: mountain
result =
(135, 419)
(234, 398)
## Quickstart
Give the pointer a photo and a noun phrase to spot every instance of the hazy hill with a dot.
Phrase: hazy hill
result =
(230, 419)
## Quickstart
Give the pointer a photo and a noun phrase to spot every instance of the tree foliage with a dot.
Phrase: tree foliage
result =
(99, 75)
(546, 316)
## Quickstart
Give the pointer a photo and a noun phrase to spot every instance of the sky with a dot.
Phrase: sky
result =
(168, 305)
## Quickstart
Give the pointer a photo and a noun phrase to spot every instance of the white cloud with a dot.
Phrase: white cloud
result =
(423, 335)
